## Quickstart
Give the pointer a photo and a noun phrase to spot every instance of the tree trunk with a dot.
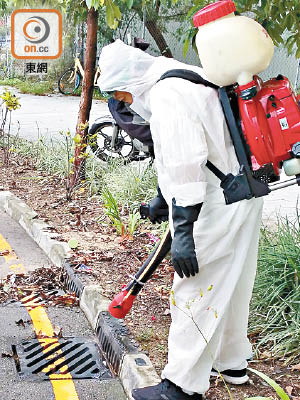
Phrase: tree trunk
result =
(155, 31)
(157, 35)
(86, 97)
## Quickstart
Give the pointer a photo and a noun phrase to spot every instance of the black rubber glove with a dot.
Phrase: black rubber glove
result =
(183, 246)
(158, 208)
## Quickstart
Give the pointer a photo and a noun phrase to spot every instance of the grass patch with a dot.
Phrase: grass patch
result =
(129, 184)
(97, 95)
(275, 307)
(30, 86)
(41, 88)
(37, 88)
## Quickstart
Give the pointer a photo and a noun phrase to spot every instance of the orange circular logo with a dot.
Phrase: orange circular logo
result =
(36, 29)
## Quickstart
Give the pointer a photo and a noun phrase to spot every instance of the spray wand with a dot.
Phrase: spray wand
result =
(123, 301)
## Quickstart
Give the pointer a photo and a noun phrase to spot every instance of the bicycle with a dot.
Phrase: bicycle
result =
(108, 141)
(70, 79)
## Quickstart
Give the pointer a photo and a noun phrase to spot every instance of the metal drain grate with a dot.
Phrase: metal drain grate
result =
(114, 340)
(72, 283)
(55, 358)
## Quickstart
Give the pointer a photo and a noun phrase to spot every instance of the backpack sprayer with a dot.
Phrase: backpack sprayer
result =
(263, 119)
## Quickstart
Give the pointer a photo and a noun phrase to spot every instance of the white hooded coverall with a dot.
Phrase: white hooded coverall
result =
(210, 310)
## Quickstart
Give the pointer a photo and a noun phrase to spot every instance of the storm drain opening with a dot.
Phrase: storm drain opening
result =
(53, 358)
(114, 340)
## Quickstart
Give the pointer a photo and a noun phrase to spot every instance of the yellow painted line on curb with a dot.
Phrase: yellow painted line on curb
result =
(63, 389)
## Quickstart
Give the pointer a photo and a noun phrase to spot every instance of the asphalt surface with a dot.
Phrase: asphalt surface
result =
(23, 384)
(46, 116)
(282, 204)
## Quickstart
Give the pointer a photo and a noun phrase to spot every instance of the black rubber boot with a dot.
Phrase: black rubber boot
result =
(165, 390)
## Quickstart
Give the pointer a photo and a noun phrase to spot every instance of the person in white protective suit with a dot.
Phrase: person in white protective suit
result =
(214, 248)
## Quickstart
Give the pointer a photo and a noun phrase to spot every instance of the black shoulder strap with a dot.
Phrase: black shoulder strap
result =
(215, 170)
(189, 76)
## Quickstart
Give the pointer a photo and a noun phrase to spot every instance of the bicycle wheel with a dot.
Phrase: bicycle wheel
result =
(100, 136)
(69, 81)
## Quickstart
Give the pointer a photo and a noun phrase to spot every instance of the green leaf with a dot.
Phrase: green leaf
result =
(186, 47)
(113, 14)
(110, 14)
(129, 4)
(193, 10)
(117, 12)
(73, 243)
(77, 138)
(281, 393)
(289, 22)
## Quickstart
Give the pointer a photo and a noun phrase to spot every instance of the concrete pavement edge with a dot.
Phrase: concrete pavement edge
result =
(136, 369)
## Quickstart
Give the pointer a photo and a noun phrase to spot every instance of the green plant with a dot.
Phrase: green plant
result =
(36, 88)
(189, 313)
(281, 393)
(111, 209)
(31, 86)
(275, 307)
(133, 222)
(130, 184)
(9, 103)
(145, 335)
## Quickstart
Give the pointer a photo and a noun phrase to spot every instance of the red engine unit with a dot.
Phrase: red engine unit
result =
(270, 118)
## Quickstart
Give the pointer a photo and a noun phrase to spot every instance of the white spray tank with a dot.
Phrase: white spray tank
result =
(231, 48)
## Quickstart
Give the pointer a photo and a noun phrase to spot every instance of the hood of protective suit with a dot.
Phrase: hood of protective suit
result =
(129, 69)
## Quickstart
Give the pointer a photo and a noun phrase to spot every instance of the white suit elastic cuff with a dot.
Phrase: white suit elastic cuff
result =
(189, 194)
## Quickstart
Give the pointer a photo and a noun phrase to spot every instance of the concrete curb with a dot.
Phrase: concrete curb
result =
(56, 251)
(134, 368)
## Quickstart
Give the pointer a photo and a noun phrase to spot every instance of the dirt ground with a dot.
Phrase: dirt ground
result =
(105, 258)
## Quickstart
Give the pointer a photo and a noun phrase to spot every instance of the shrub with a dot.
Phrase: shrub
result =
(275, 307)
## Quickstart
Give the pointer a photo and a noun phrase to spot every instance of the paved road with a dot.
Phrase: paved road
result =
(282, 203)
(47, 115)
(23, 380)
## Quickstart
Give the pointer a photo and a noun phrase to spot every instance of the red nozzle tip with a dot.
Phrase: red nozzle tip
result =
(120, 306)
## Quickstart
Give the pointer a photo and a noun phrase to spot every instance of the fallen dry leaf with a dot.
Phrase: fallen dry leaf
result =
(58, 332)
(289, 390)
(66, 300)
(20, 323)
(41, 335)
(6, 355)
(296, 367)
